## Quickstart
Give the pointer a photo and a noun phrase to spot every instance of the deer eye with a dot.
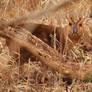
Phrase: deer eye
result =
(70, 24)
(80, 25)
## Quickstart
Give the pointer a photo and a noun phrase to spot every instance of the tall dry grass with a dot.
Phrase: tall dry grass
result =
(9, 70)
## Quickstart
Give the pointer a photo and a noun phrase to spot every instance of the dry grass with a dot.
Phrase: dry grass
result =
(10, 80)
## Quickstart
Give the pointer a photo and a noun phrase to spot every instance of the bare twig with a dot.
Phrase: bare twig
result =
(65, 7)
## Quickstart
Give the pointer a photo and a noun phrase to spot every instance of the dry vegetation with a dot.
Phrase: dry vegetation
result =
(27, 77)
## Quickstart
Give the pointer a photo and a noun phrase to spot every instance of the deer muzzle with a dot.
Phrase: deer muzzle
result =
(75, 30)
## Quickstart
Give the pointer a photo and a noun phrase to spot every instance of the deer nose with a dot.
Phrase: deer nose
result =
(75, 30)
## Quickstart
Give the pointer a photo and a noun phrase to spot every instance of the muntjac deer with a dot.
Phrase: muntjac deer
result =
(67, 36)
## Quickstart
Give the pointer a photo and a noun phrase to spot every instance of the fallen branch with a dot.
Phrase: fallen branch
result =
(49, 56)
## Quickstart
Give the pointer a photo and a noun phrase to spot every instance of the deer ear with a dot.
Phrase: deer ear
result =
(70, 20)
(81, 20)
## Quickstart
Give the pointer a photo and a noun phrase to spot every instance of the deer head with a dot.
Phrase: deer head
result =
(75, 28)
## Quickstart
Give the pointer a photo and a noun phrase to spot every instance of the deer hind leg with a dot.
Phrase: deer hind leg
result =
(14, 50)
(44, 78)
